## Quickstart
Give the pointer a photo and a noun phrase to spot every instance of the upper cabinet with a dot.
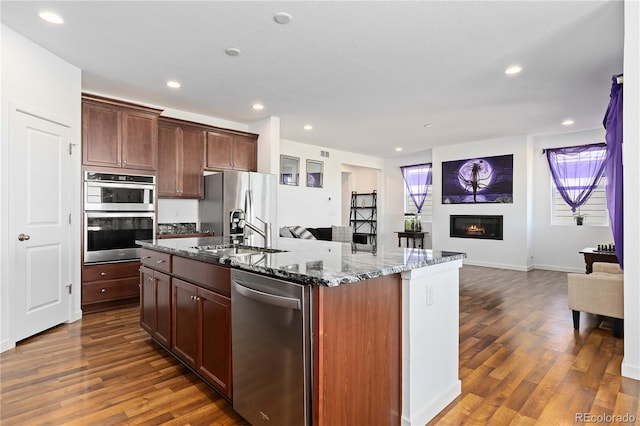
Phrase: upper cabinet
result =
(120, 135)
(180, 159)
(231, 151)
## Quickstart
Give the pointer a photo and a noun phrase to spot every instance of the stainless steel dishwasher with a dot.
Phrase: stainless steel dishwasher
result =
(271, 348)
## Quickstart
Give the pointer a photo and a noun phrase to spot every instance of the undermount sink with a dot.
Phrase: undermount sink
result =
(235, 250)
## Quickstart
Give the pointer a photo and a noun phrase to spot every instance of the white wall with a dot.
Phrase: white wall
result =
(393, 219)
(631, 159)
(555, 247)
(513, 252)
(40, 82)
(319, 207)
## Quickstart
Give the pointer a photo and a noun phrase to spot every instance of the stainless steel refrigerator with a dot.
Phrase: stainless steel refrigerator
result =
(228, 193)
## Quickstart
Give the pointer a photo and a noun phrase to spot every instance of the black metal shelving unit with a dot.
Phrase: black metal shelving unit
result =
(363, 218)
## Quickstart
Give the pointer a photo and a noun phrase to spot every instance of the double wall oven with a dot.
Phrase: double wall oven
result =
(118, 210)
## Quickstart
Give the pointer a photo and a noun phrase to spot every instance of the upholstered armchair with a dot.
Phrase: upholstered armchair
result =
(600, 293)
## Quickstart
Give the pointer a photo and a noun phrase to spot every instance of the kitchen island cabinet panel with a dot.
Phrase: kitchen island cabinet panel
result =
(156, 260)
(155, 304)
(212, 277)
(214, 342)
(184, 321)
(356, 364)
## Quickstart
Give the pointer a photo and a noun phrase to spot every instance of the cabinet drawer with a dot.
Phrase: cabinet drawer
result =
(110, 271)
(104, 291)
(213, 277)
(156, 260)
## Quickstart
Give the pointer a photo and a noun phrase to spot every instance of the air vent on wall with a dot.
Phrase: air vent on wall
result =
(324, 153)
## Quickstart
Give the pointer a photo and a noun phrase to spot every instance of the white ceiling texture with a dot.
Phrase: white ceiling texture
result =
(369, 76)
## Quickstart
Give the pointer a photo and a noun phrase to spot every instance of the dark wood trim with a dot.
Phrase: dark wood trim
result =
(203, 126)
(117, 102)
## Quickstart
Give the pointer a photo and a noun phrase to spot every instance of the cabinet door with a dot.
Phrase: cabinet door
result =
(245, 155)
(185, 321)
(100, 135)
(192, 167)
(219, 151)
(214, 342)
(168, 137)
(162, 308)
(147, 299)
(139, 140)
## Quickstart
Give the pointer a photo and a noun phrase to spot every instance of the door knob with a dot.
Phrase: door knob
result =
(23, 237)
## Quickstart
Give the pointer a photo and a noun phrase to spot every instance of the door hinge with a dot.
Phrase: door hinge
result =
(69, 286)
(71, 145)
(69, 218)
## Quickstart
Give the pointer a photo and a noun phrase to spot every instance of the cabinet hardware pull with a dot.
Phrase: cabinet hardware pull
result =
(104, 290)
(150, 279)
(159, 261)
(103, 273)
(146, 257)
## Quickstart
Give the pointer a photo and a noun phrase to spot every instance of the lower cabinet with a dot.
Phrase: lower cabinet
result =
(202, 332)
(191, 321)
(155, 304)
(109, 285)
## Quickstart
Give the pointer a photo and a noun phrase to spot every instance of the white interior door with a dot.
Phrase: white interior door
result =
(39, 231)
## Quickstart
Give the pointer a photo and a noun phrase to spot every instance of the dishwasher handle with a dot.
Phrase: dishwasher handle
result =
(270, 299)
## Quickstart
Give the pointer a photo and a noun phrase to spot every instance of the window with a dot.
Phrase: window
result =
(595, 209)
(414, 178)
(427, 208)
(577, 169)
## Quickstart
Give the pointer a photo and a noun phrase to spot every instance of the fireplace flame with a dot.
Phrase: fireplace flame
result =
(475, 230)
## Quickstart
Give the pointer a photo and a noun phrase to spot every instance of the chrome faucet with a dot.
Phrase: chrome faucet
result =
(265, 232)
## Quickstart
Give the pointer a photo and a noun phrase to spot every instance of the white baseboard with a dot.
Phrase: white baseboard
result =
(5, 345)
(630, 371)
(429, 411)
(498, 265)
(560, 268)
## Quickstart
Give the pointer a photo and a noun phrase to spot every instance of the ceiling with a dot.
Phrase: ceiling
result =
(368, 76)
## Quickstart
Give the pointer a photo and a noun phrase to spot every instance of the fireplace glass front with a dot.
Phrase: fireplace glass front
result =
(476, 226)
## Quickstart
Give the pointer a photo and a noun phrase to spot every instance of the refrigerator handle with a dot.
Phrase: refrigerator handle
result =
(248, 206)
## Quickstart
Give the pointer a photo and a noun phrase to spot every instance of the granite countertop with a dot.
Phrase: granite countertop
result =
(310, 261)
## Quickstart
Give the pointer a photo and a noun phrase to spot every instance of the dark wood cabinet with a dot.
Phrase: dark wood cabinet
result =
(231, 151)
(214, 341)
(118, 135)
(155, 304)
(187, 308)
(180, 160)
(184, 321)
(109, 285)
(245, 153)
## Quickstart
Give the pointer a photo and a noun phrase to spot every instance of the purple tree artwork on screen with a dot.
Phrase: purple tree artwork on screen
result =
(478, 180)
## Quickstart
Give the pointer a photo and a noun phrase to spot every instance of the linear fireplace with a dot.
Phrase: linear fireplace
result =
(475, 226)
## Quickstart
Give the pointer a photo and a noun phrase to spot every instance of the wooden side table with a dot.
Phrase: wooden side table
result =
(592, 255)
(413, 235)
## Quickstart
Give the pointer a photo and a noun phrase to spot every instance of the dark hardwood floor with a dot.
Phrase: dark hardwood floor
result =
(521, 362)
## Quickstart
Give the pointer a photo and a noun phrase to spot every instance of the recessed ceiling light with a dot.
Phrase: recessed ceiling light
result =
(308, 127)
(398, 149)
(173, 84)
(567, 122)
(257, 107)
(282, 18)
(232, 51)
(51, 17)
(513, 69)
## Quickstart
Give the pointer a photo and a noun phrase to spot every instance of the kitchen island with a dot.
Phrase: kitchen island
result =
(384, 324)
